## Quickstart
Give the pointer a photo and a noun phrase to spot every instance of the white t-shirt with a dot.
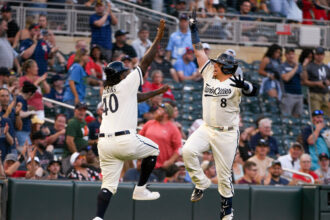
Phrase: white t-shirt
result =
(120, 104)
(220, 99)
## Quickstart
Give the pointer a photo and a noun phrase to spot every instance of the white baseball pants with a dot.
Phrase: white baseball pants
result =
(113, 151)
(223, 145)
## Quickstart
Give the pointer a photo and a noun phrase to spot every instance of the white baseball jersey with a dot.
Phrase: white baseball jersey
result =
(120, 104)
(220, 99)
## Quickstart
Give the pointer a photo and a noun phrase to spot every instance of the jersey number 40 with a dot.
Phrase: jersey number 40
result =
(112, 104)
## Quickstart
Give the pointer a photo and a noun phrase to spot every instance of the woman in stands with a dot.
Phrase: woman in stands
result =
(306, 57)
(270, 69)
(98, 62)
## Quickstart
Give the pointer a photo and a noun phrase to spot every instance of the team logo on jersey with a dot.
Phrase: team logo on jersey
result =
(216, 91)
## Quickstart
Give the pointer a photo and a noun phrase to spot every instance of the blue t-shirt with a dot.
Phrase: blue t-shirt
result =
(5, 147)
(26, 121)
(55, 95)
(271, 141)
(178, 43)
(281, 181)
(143, 108)
(293, 86)
(78, 75)
(40, 54)
(187, 69)
(101, 35)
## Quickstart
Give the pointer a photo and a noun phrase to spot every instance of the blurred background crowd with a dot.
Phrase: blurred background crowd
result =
(51, 110)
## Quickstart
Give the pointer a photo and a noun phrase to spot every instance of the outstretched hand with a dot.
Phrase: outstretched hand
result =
(193, 21)
(160, 29)
(239, 82)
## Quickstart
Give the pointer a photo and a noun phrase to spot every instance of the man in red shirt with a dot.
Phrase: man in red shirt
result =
(168, 137)
(250, 173)
(305, 167)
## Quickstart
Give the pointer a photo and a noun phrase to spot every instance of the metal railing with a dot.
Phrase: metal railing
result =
(301, 174)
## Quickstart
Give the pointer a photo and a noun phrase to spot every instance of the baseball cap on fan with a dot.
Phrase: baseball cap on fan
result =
(206, 46)
(6, 8)
(120, 33)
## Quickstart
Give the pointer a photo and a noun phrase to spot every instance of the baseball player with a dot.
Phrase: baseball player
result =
(221, 98)
(118, 140)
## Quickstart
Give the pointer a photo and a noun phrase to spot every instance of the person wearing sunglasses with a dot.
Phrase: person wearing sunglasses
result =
(314, 142)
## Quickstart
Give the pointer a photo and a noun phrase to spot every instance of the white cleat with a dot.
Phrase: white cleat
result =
(229, 216)
(97, 218)
(142, 193)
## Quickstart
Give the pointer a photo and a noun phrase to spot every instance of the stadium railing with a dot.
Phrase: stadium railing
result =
(301, 174)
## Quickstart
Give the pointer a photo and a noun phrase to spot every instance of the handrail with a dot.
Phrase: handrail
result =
(64, 105)
(300, 173)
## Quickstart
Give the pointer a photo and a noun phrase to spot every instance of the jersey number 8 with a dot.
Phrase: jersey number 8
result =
(223, 103)
(113, 104)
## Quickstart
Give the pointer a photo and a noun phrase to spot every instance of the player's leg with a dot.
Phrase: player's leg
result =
(111, 169)
(197, 143)
(224, 146)
(148, 150)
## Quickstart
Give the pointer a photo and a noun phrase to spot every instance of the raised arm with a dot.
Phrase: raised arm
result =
(198, 47)
(147, 95)
(150, 54)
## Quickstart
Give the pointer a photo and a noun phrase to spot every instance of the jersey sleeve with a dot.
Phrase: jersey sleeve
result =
(134, 79)
(207, 69)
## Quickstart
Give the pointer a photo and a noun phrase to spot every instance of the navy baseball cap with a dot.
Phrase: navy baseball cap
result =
(262, 142)
(6, 8)
(323, 155)
(319, 50)
(120, 33)
(126, 57)
(4, 71)
(81, 106)
(183, 17)
(56, 78)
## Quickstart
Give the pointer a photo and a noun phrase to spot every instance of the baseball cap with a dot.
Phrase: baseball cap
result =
(38, 135)
(317, 112)
(74, 157)
(297, 144)
(55, 78)
(126, 57)
(4, 71)
(34, 26)
(323, 155)
(36, 159)
(206, 46)
(168, 109)
(319, 50)
(12, 157)
(263, 142)
(276, 162)
(183, 17)
(81, 106)
(36, 120)
(189, 50)
(99, 2)
(54, 161)
(289, 49)
(6, 8)
(120, 33)
(230, 52)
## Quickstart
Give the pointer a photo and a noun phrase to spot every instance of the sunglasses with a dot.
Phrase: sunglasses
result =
(318, 112)
(162, 105)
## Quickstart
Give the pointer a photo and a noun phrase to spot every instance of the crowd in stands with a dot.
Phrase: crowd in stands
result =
(33, 67)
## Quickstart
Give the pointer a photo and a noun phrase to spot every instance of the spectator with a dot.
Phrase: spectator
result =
(133, 174)
(54, 168)
(9, 110)
(245, 10)
(12, 25)
(94, 126)
(37, 49)
(142, 43)
(128, 62)
(278, 7)
(76, 134)
(57, 90)
(43, 25)
(250, 173)
(23, 33)
(261, 159)
(179, 7)
(39, 142)
(4, 77)
(176, 173)
(159, 63)
(6, 136)
(179, 41)
(292, 99)
(121, 45)
(186, 68)
(244, 148)
(270, 69)
(7, 54)
(80, 171)
(97, 62)
(294, 14)
(238, 171)
(28, 91)
(100, 24)
(211, 173)
(305, 167)
(34, 171)
(75, 84)
(56, 136)
(168, 137)
(274, 176)
(30, 69)
(306, 57)
(291, 160)
(11, 164)
(314, 142)
(157, 79)
(174, 119)
(312, 10)
(324, 171)
(92, 161)
(317, 77)
(80, 44)
(265, 131)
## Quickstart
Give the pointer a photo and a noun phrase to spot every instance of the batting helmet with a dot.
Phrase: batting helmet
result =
(115, 67)
(230, 64)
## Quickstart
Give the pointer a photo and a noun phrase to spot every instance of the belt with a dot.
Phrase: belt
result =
(224, 128)
(118, 133)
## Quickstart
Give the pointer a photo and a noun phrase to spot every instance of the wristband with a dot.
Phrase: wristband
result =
(194, 37)
(21, 158)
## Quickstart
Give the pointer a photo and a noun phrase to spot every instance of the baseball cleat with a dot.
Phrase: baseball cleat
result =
(97, 218)
(227, 216)
(142, 193)
(196, 195)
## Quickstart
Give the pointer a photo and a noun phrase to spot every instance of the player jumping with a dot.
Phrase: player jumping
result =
(118, 140)
(221, 98)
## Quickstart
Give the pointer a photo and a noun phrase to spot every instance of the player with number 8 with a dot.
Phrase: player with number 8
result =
(223, 89)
